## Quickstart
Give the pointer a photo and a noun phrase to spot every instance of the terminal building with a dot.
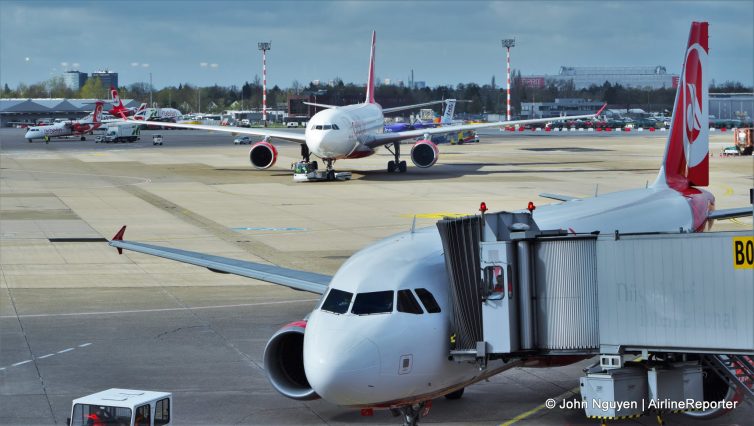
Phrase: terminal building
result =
(732, 106)
(107, 78)
(655, 77)
(28, 111)
(561, 107)
(74, 80)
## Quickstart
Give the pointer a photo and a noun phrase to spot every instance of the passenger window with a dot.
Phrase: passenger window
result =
(335, 127)
(162, 412)
(428, 300)
(376, 302)
(407, 303)
(337, 301)
(143, 416)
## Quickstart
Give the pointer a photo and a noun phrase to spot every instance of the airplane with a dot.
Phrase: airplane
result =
(158, 115)
(68, 127)
(352, 131)
(446, 119)
(119, 110)
(391, 298)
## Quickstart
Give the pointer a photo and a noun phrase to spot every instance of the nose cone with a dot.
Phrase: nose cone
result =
(341, 367)
(29, 134)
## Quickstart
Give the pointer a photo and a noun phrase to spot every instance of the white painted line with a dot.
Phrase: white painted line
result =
(83, 345)
(45, 356)
(65, 350)
(2, 368)
(191, 308)
(20, 363)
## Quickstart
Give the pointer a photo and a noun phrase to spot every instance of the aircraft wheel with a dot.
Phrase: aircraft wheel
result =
(315, 165)
(390, 166)
(83, 138)
(402, 167)
(455, 395)
(29, 140)
(331, 175)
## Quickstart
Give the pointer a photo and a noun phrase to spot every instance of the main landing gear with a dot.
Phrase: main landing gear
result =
(396, 165)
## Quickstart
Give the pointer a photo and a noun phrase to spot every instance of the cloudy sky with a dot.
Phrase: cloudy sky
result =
(444, 42)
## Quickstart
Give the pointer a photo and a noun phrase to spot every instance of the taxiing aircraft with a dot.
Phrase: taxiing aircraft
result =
(379, 338)
(68, 128)
(119, 110)
(353, 131)
(446, 119)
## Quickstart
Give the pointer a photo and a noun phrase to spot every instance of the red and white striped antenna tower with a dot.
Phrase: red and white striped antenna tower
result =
(507, 44)
(264, 47)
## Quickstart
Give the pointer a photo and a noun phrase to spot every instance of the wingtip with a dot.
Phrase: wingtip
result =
(119, 235)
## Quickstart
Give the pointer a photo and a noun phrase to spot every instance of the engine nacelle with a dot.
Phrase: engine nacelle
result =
(424, 153)
(263, 155)
(284, 362)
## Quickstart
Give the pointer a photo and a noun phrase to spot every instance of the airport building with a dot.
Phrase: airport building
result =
(17, 111)
(732, 106)
(107, 78)
(560, 107)
(655, 77)
(74, 79)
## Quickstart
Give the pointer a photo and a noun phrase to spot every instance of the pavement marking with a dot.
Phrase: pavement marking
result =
(45, 356)
(65, 350)
(538, 408)
(262, 228)
(21, 363)
(438, 215)
(142, 180)
(83, 345)
(140, 311)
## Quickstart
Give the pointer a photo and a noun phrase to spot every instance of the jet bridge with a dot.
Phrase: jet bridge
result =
(687, 299)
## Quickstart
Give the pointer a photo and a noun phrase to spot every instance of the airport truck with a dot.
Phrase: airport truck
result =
(744, 140)
(122, 133)
(123, 407)
(308, 172)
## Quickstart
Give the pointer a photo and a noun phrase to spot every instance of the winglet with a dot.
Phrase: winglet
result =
(119, 237)
(601, 109)
(370, 80)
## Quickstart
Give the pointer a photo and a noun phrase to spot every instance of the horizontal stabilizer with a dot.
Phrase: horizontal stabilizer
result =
(298, 280)
(730, 213)
(558, 197)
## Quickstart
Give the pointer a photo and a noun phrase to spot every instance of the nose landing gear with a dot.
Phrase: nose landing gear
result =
(413, 413)
(396, 165)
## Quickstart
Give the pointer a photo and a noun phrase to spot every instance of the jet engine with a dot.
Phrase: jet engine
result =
(284, 362)
(263, 155)
(424, 153)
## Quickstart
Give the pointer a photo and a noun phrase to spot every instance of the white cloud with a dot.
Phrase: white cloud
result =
(134, 64)
(203, 64)
(214, 65)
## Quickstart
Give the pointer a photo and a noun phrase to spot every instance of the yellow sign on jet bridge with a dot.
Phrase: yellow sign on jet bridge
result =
(743, 252)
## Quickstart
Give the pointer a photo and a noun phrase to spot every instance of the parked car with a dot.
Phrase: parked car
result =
(242, 140)
(157, 139)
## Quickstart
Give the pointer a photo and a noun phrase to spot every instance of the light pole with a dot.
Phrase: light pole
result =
(150, 91)
(507, 44)
(264, 47)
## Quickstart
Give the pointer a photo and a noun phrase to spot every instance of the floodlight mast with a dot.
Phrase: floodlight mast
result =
(507, 44)
(264, 47)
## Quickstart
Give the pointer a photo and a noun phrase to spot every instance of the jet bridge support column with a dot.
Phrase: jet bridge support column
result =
(525, 297)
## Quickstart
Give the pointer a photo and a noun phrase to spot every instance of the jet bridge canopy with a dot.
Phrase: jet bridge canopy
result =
(518, 290)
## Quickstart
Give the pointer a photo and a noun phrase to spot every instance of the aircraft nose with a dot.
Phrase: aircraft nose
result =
(341, 368)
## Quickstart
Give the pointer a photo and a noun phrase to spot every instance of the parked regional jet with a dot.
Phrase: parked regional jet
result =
(445, 120)
(380, 335)
(69, 127)
(354, 131)
(119, 110)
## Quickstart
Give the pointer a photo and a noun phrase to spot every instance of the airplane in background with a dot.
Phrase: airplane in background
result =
(391, 298)
(69, 127)
(445, 119)
(119, 110)
(352, 131)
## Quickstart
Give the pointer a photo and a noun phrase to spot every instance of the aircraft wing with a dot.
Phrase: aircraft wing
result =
(405, 107)
(320, 105)
(295, 279)
(730, 213)
(277, 134)
(386, 138)
(558, 197)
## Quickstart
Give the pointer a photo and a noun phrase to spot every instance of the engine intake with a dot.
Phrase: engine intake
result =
(284, 362)
(263, 155)
(424, 153)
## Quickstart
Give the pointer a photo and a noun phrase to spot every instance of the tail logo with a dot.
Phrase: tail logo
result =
(695, 106)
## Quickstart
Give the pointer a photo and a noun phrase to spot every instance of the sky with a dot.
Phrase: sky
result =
(446, 42)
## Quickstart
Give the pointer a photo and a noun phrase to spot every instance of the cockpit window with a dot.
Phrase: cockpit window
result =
(318, 127)
(407, 303)
(335, 127)
(376, 302)
(428, 300)
(337, 301)
(327, 127)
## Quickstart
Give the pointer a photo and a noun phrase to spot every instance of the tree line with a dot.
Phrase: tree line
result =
(481, 99)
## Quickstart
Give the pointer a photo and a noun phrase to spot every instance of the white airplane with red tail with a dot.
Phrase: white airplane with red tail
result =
(355, 131)
(380, 336)
(68, 128)
(119, 110)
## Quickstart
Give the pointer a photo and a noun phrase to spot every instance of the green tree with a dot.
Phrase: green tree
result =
(93, 89)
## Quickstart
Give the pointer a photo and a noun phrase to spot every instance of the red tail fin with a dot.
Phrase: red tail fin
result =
(116, 99)
(686, 160)
(370, 80)
(97, 112)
